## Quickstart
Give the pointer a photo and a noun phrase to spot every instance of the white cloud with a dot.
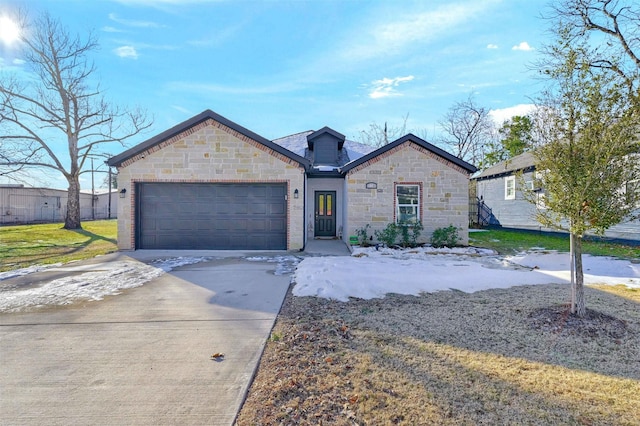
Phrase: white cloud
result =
(386, 87)
(182, 109)
(134, 23)
(499, 116)
(492, 46)
(522, 46)
(6, 64)
(165, 2)
(126, 52)
(217, 89)
(109, 29)
(394, 35)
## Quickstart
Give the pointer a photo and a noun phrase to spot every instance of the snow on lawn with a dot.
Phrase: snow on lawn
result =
(368, 273)
(26, 271)
(371, 273)
(85, 281)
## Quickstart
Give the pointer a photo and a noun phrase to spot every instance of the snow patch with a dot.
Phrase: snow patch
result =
(285, 264)
(371, 273)
(87, 282)
(26, 271)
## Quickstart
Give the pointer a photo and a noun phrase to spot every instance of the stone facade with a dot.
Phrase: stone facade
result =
(210, 152)
(444, 187)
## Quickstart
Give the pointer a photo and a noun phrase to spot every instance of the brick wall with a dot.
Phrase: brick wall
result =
(444, 191)
(209, 152)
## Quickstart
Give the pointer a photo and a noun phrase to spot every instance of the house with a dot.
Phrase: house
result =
(20, 205)
(209, 183)
(501, 202)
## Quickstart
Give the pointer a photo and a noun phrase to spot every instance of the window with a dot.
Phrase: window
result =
(407, 204)
(541, 201)
(510, 188)
(631, 192)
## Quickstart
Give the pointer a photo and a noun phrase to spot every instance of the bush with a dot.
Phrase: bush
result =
(363, 238)
(410, 239)
(415, 232)
(445, 237)
(388, 235)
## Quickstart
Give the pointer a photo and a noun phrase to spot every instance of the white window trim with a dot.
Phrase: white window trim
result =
(398, 205)
(512, 195)
(541, 201)
(626, 187)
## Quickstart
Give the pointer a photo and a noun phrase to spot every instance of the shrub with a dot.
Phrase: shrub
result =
(445, 237)
(410, 234)
(388, 235)
(415, 232)
(404, 235)
(363, 238)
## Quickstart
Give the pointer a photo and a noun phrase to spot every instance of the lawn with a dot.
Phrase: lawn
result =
(501, 356)
(512, 241)
(26, 245)
(508, 356)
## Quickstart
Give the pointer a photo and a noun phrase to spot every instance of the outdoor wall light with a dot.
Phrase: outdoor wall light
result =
(123, 193)
(296, 193)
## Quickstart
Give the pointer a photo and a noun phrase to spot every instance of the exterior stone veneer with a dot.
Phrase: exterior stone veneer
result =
(210, 152)
(444, 193)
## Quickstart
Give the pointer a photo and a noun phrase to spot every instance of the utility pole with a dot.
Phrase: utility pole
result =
(93, 194)
(109, 208)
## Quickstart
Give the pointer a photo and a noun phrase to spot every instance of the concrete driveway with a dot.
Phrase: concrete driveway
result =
(143, 357)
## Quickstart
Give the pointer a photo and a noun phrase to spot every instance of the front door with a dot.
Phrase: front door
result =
(325, 208)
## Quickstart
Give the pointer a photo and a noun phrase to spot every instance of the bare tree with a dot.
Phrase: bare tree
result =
(54, 119)
(467, 130)
(615, 26)
(379, 136)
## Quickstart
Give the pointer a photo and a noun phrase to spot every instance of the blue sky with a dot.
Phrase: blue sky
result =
(282, 67)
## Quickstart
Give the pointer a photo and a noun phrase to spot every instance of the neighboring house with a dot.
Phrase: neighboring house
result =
(20, 204)
(501, 203)
(209, 183)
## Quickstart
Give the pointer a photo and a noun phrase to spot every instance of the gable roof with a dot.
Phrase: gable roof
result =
(298, 144)
(194, 121)
(523, 162)
(420, 142)
(336, 135)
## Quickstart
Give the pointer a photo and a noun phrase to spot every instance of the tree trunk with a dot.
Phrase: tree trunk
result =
(72, 219)
(580, 307)
(572, 267)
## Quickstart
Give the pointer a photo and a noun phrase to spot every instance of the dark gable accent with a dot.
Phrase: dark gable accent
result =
(325, 130)
(420, 142)
(325, 144)
(117, 160)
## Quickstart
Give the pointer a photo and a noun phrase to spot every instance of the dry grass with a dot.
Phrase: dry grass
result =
(509, 356)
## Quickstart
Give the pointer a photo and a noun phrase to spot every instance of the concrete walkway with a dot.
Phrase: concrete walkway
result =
(326, 247)
(143, 357)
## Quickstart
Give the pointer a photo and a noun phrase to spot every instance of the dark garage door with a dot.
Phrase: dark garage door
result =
(211, 216)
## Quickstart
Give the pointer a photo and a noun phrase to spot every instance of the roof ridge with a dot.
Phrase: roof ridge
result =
(293, 134)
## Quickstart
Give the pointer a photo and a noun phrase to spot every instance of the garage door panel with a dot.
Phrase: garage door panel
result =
(256, 191)
(212, 216)
(275, 209)
(258, 209)
(277, 225)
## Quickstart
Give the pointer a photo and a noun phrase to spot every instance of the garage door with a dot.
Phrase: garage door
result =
(206, 216)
